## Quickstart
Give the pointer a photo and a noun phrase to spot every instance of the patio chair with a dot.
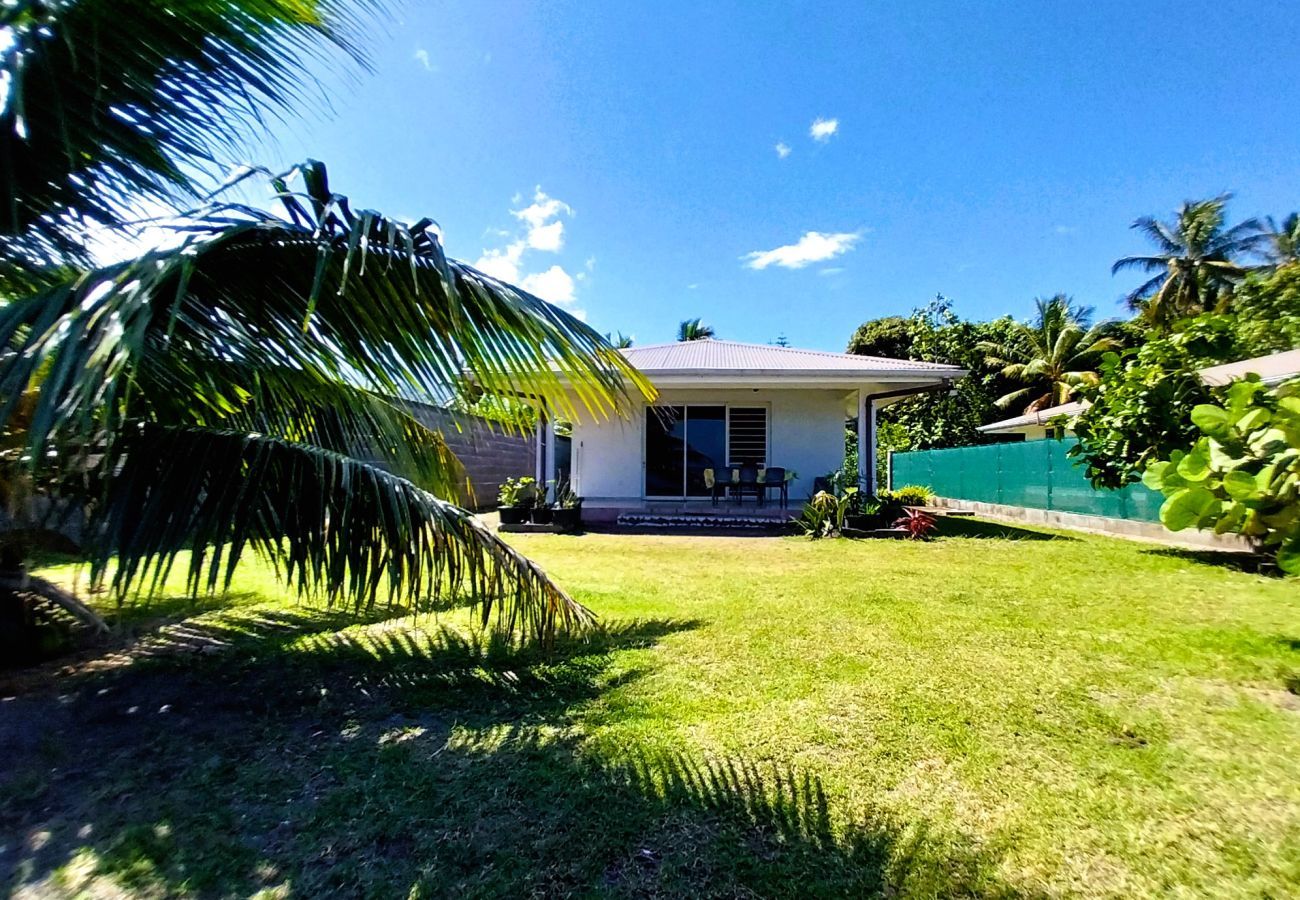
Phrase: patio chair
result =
(748, 481)
(774, 480)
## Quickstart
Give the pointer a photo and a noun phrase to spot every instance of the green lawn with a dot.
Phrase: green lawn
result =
(976, 715)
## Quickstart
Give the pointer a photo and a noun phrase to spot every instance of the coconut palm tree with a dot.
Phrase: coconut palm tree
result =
(694, 330)
(619, 340)
(111, 104)
(1198, 262)
(1053, 355)
(1281, 245)
(241, 390)
(229, 393)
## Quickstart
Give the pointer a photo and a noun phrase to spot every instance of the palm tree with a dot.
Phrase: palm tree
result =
(1054, 354)
(619, 341)
(227, 393)
(107, 107)
(1197, 263)
(1282, 242)
(694, 330)
(240, 391)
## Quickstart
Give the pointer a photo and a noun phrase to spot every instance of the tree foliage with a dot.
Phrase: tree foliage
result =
(935, 334)
(110, 102)
(1197, 263)
(694, 330)
(1242, 473)
(1054, 355)
(1140, 410)
(229, 392)
(1265, 311)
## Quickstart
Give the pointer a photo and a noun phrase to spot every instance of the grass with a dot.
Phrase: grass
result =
(979, 715)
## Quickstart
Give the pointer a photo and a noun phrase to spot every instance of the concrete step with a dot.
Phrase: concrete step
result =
(696, 520)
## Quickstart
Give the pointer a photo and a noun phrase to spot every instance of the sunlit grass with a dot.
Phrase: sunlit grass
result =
(970, 715)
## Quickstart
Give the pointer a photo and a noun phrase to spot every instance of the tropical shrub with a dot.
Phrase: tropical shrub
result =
(824, 514)
(1140, 411)
(1242, 474)
(918, 524)
(518, 492)
(910, 495)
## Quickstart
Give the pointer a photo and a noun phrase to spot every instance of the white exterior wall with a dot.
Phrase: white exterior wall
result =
(805, 434)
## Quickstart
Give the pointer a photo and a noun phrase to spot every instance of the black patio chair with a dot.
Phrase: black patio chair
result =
(774, 480)
(748, 481)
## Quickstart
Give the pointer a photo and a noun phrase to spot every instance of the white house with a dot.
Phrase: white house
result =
(723, 403)
(1272, 369)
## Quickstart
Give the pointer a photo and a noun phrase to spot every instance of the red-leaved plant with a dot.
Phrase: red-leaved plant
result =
(918, 523)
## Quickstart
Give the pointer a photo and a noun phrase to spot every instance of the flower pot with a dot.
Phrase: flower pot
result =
(568, 518)
(542, 515)
(513, 515)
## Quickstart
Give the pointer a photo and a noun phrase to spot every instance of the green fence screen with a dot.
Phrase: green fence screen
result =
(1032, 474)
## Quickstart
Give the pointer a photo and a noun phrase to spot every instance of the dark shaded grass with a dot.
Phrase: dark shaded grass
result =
(371, 763)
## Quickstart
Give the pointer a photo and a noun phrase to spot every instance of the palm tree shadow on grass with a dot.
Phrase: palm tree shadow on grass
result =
(378, 761)
(1239, 561)
(962, 526)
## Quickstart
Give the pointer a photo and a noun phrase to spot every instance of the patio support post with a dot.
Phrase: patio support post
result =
(544, 439)
(865, 442)
(539, 447)
(871, 447)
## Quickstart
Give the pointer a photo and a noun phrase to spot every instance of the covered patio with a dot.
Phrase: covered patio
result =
(724, 407)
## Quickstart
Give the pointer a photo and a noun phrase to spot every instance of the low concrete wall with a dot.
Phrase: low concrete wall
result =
(490, 452)
(1125, 528)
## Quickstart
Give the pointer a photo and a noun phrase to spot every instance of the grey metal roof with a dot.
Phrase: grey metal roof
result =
(1271, 369)
(733, 357)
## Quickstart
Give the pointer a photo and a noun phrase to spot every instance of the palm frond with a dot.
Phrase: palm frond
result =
(1145, 263)
(328, 522)
(111, 101)
(338, 297)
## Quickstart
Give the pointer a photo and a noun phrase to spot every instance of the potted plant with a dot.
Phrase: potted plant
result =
(542, 511)
(515, 499)
(568, 508)
(863, 513)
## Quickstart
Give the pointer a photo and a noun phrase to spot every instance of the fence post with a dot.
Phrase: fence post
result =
(889, 470)
(1051, 474)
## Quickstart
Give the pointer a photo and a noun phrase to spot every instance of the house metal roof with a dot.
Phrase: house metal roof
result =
(735, 358)
(1271, 369)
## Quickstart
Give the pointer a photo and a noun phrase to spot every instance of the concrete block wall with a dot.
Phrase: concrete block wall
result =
(490, 452)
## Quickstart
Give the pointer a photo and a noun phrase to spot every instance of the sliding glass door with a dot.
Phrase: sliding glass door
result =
(680, 443)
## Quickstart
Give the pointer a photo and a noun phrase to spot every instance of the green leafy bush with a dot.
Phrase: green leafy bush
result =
(823, 515)
(1141, 408)
(518, 492)
(910, 495)
(1242, 475)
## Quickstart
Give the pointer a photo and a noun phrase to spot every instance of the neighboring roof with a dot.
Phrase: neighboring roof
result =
(1042, 417)
(1271, 369)
(723, 358)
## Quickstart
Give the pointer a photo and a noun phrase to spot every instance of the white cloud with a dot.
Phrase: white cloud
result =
(1065, 229)
(502, 264)
(782, 149)
(554, 285)
(543, 232)
(814, 246)
(548, 238)
(831, 270)
(542, 209)
(822, 129)
(422, 57)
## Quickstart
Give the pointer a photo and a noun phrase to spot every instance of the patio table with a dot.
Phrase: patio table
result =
(722, 482)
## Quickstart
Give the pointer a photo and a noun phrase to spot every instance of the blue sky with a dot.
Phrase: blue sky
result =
(989, 151)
